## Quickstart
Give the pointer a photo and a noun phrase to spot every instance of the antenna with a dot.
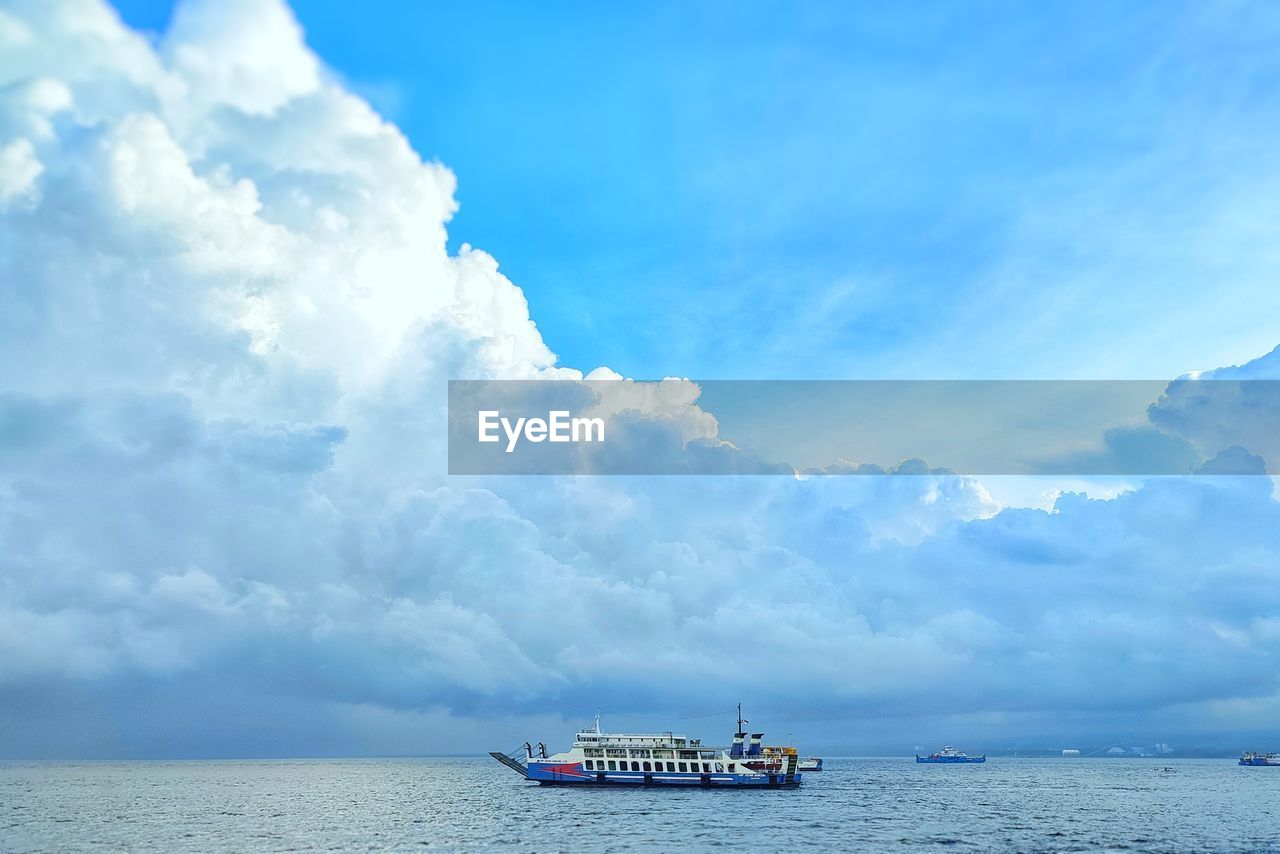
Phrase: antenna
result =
(741, 720)
(597, 721)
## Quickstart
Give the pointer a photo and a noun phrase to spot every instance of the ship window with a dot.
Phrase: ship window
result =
(613, 766)
(589, 764)
(648, 767)
(671, 766)
(706, 767)
(635, 766)
(684, 767)
(730, 767)
(719, 767)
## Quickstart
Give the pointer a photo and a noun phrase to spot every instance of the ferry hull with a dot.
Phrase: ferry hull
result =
(1261, 761)
(573, 774)
(688, 784)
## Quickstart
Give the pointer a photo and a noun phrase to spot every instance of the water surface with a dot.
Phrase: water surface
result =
(474, 804)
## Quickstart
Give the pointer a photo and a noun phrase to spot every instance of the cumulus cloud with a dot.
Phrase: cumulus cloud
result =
(229, 320)
(19, 170)
(1227, 414)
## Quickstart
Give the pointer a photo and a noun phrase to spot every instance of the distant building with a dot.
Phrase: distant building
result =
(1070, 751)
(1117, 751)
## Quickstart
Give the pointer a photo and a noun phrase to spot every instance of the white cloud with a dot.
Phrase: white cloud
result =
(244, 54)
(229, 319)
(1228, 413)
(19, 170)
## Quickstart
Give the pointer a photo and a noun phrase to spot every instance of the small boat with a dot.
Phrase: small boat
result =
(811, 763)
(949, 755)
(1252, 758)
(651, 759)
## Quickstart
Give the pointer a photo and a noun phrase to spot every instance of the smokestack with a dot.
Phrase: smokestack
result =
(754, 748)
(735, 752)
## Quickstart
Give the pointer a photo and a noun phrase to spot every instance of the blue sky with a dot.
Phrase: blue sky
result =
(235, 288)
(847, 190)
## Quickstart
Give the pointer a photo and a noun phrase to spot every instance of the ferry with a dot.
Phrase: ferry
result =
(949, 754)
(1260, 759)
(652, 759)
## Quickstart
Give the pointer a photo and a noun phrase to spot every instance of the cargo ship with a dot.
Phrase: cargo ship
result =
(652, 759)
(949, 755)
(1260, 759)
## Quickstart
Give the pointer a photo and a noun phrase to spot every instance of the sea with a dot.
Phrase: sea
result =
(475, 804)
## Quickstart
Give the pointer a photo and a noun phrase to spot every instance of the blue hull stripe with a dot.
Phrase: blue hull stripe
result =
(667, 778)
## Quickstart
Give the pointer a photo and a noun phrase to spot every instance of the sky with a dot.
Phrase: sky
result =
(243, 248)
(834, 190)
